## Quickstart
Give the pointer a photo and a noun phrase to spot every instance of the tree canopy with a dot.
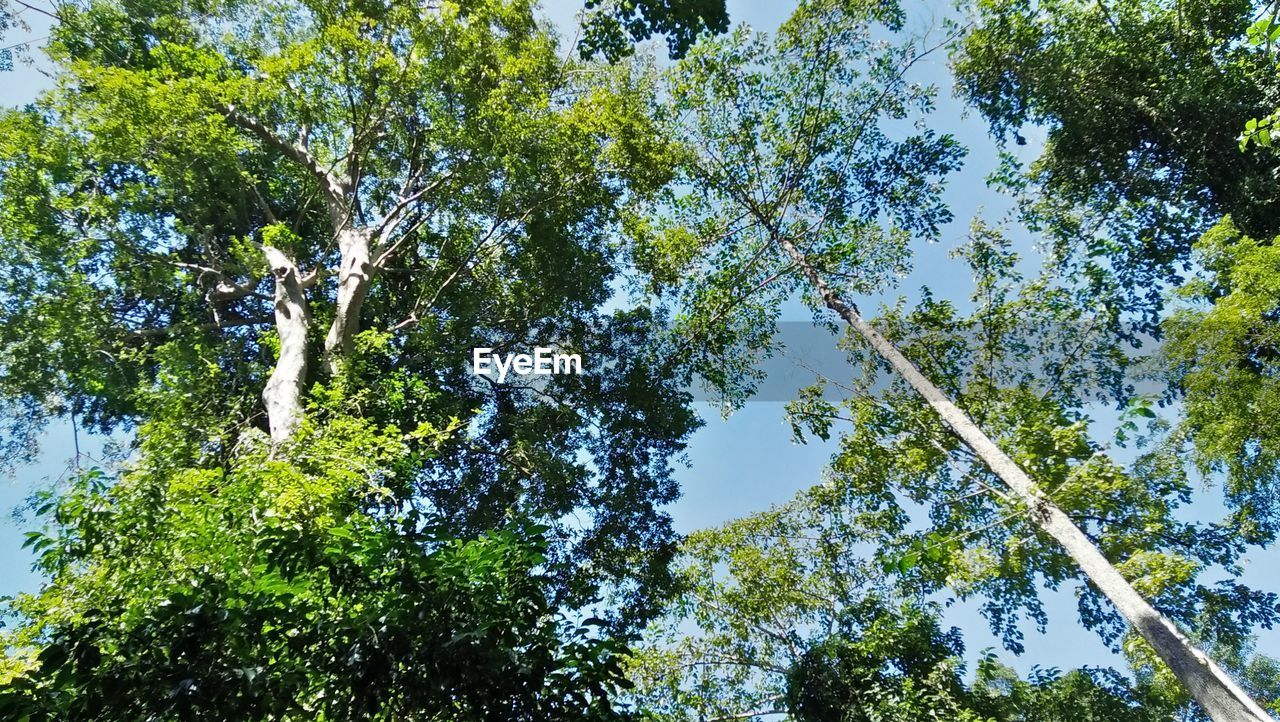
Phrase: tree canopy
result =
(412, 184)
(300, 590)
(1143, 103)
(265, 239)
(806, 186)
(789, 616)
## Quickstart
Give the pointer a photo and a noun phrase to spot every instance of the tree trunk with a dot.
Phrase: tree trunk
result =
(283, 392)
(355, 272)
(1218, 695)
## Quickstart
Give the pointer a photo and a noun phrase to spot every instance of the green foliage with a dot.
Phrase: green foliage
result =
(802, 136)
(137, 199)
(1142, 102)
(1262, 33)
(1089, 694)
(753, 595)
(1025, 364)
(291, 589)
(1222, 353)
(381, 564)
(885, 665)
(782, 611)
(610, 27)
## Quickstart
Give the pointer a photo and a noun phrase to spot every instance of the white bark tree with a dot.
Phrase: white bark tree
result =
(1216, 692)
(793, 157)
(358, 262)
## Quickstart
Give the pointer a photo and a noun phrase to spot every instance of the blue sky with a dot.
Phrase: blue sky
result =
(747, 462)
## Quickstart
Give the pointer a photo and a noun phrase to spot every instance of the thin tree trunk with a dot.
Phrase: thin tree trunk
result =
(1218, 695)
(283, 392)
(355, 272)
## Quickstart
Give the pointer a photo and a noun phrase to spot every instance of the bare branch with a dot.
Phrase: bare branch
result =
(193, 267)
(42, 11)
(262, 203)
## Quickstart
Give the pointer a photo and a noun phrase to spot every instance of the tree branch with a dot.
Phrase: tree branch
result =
(225, 291)
(166, 330)
(751, 714)
(333, 190)
(384, 248)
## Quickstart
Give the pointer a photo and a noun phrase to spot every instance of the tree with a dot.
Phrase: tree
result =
(784, 612)
(307, 589)
(265, 238)
(1027, 365)
(796, 175)
(221, 201)
(1142, 153)
(1147, 184)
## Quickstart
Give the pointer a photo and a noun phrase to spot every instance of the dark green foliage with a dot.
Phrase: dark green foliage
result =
(901, 665)
(293, 591)
(885, 664)
(611, 27)
(1143, 102)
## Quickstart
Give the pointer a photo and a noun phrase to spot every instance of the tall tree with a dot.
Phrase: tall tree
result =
(228, 200)
(265, 237)
(1146, 185)
(1142, 163)
(1028, 367)
(797, 171)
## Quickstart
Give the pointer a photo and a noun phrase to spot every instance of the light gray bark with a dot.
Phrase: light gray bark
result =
(283, 392)
(355, 273)
(1218, 695)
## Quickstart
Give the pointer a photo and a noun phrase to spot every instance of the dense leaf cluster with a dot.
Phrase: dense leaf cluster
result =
(292, 590)
(139, 197)
(611, 27)
(1142, 102)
